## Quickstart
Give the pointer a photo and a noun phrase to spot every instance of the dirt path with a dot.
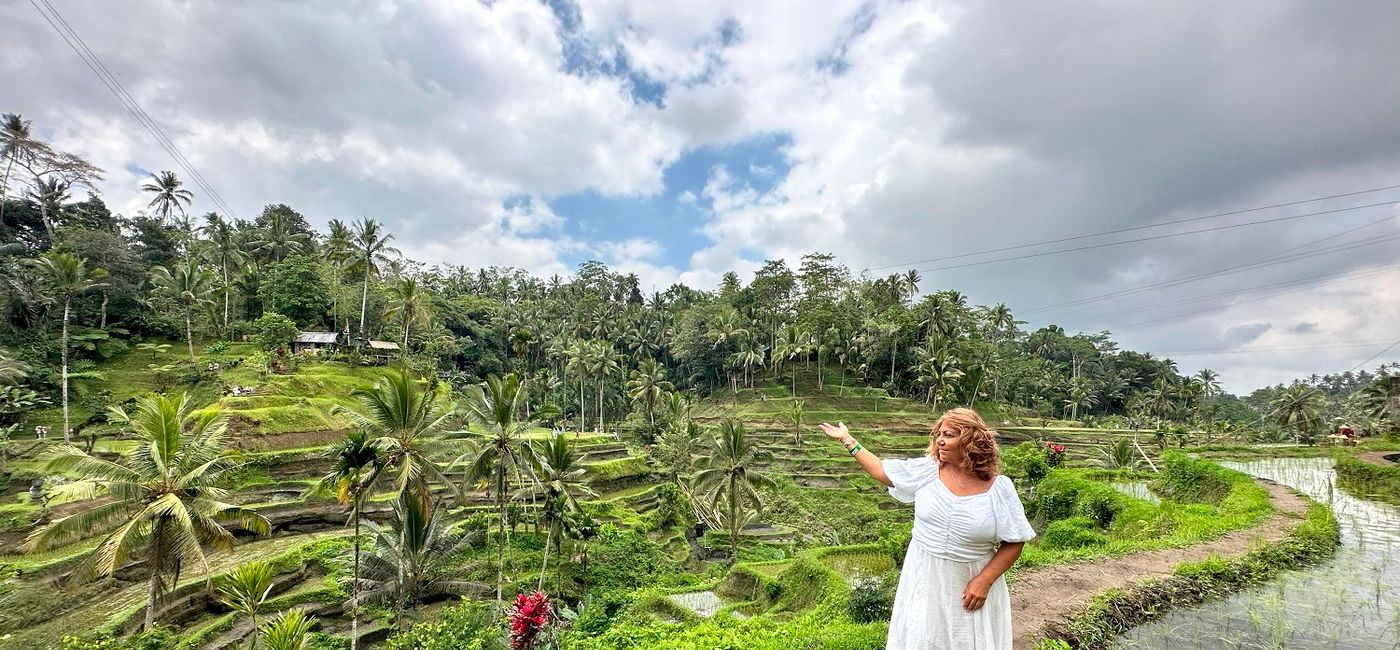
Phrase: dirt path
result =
(1379, 457)
(1040, 596)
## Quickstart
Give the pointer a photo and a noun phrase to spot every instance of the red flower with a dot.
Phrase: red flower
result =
(528, 617)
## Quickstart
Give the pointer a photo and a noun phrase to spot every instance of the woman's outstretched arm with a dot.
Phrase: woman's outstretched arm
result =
(867, 459)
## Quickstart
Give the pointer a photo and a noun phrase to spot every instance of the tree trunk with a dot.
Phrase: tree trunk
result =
(63, 353)
(894, 352)
(355, 586)
(189, 335)
(226, 305)
(600, 405)
(102, 323)
(154, 594)
(5, 187)
(545, 563)
(364, 302)
(582, 419)
(500, 538)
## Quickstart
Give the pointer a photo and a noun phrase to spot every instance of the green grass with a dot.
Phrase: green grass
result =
(1202, 501)
(1369, 480)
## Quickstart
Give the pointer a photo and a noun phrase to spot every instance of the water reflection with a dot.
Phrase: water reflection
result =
(1353, 601)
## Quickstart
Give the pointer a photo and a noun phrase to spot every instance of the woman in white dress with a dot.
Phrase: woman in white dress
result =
(969, 528)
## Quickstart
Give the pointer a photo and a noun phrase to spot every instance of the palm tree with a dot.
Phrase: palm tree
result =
(580, 358)
(280, 237)
(414, 557)
(224, 252)
(404, 420)
(15, 143)
(1299, 407)
(648, 384)
(795, 414)
(168, 194)
(409, 304)
(245, 589)
(165, 498)
(340, 254)
(936, 368)
(290, 630)
(558, 482)
(607, 362)
(733, 477)
(911, 282)
(357, 465)
(372, 249)
(493, 406)
(66, 276)
(50, 194)
(189, 286)
(1119, 455)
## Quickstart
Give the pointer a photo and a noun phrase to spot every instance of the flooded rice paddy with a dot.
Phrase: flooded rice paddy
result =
(1351, 602)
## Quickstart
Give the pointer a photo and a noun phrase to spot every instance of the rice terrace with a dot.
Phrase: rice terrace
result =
(581, 325)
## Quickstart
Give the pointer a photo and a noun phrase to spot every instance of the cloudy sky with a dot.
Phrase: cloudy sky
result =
(681, 140)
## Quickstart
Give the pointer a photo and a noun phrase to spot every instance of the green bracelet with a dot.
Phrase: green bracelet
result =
(856, 449)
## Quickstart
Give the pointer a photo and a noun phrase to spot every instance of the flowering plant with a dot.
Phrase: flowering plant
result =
(528, 616)
(1054, 454)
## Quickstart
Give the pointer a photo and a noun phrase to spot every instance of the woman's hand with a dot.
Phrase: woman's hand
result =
(839, 432)
(975, 595)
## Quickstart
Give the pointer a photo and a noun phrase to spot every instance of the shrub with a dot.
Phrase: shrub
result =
(468, 626)
(872, 598)
(1072, 533)
(1025, 463)
(275, 330)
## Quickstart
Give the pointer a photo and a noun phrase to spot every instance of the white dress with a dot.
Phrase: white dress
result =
(954, 538)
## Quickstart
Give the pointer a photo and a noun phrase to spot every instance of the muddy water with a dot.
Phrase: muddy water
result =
(1350, 602)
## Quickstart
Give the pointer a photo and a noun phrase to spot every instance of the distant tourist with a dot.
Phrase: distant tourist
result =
(969, 528)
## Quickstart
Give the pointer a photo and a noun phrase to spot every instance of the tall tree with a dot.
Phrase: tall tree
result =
(339, 252)
(1299, 407)
(493, 406)
(409, 304)
(15, 143)
(414, 557)
(224, 253)
(558, 483)
(733, 478)
(189, 286)
(356, 465)
(647, 386)
(169, 195)
(372, 250)
(163, 499)
(66, 276)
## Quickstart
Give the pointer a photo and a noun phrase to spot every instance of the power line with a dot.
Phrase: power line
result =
(127, 101)
(1135, 228)
(1375, 356)
(1277, 258)
(1374, 271)
(1156, 237)
(1332, 250)
(1268, 349)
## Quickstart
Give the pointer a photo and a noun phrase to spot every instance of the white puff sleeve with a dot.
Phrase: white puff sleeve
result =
(908, 475)
(1012, 525)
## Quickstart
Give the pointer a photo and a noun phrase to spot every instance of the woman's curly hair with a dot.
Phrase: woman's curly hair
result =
(978, 441)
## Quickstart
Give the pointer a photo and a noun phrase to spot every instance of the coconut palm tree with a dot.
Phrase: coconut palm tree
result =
(404, 420)
(163, 499)
(733, 478)
(357, 464)
(647, 386)
(1299, 407)
(372, 250)
(936, 368)
(188, 286)
(493, 406)
(224, 252)
(794, 413)
(280, 237)
(911, 283)
(558, 483)
(66, 276)
(409, 304)
(245, 589)
(607, 363)
(290, 630)
(169, 195)
(580, 359)
(16, 140)
(414, 557)
(339, 253)
(50, 194)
